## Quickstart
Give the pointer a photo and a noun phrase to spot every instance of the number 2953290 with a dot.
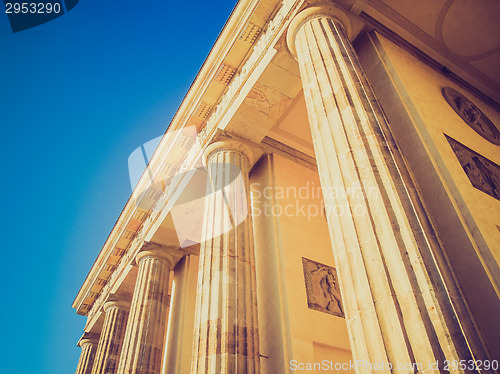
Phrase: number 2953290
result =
(32, 8)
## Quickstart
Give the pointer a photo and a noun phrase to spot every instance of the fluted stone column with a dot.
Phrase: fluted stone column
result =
(226, 331)
(145, 333)
(87, 356)
(111, 339)
(396, 306)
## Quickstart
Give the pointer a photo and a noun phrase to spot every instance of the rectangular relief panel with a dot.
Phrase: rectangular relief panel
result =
(484, 174)
(322, 288)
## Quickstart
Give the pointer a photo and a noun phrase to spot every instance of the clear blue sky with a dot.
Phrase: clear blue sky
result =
(77, 96)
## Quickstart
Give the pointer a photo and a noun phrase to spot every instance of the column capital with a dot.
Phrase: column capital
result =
(232, 144)
(120, 304)
(170, 254)
(88, 338)
(319, 11)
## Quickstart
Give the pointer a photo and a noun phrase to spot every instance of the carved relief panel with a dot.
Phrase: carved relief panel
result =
(472, 115)
(484, 174)
(322, 288)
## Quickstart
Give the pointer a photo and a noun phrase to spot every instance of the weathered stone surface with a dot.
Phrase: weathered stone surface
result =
(226, 331)
(322, 288)
(484, 174)
(111, 339)
(145, 334)
(87, 356)
(472, 115)
(393, 311)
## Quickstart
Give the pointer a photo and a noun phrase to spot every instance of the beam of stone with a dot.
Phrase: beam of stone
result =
(89, 345)
(226, 331)
(111, 338)
(142, 350)
(397, 309)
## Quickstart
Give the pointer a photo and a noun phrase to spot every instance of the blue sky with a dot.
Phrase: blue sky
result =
(77, 96)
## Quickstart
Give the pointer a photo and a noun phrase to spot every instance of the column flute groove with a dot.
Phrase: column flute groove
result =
(87, 356)
(111, 340)
(226, 329)
(396, 306)
(143, 343)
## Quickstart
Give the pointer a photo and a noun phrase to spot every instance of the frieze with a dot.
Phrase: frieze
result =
(262, 44)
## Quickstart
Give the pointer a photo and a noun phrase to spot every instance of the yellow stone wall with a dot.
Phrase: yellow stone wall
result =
(282, 239)
(424, 86)
(466, 218)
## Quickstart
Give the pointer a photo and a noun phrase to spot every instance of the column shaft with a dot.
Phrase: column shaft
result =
(145, 334)
(178, 351)
(111, 340)
(226, 332)
(396, 305)
(86, 357)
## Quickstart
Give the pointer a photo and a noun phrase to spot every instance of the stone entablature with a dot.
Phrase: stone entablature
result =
(231, 49)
